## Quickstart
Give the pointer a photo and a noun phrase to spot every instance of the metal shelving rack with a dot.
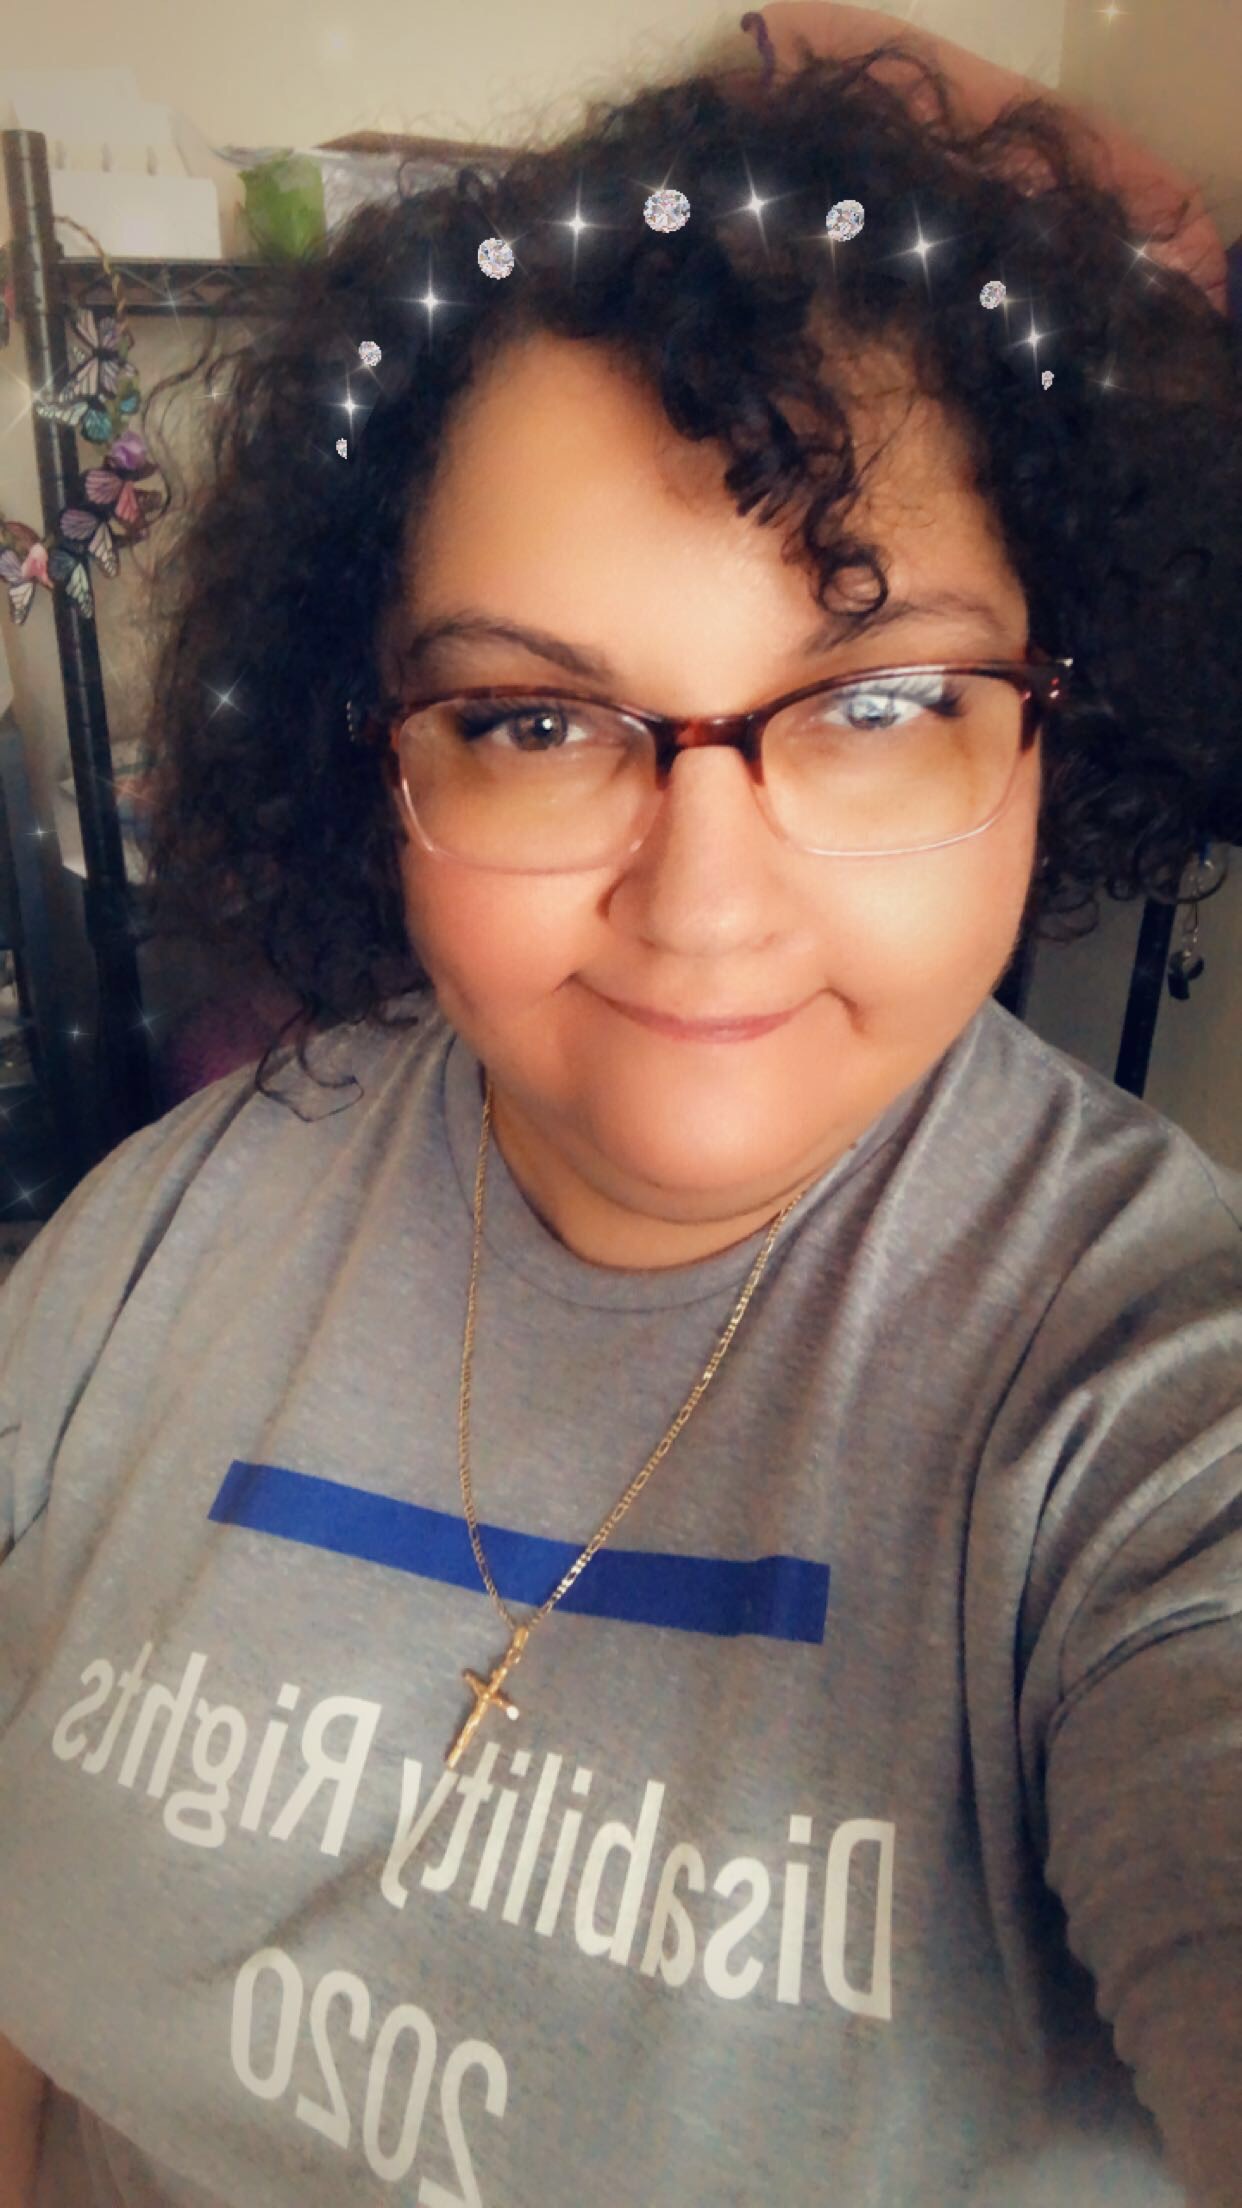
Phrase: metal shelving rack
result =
(47, 286)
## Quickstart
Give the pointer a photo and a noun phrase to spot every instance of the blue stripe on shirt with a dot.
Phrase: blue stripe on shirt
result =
(783, 1598)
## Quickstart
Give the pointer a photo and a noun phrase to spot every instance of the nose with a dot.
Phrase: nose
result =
(710, 864)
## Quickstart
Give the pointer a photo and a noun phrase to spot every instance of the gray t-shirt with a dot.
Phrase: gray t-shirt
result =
(871, 1832)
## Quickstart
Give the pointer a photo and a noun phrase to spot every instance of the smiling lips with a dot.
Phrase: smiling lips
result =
(723, 1031)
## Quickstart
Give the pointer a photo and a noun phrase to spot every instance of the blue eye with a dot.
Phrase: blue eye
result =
(930, 694)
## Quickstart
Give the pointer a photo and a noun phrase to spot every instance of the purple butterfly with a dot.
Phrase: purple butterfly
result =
(125, 463)
(79, 528)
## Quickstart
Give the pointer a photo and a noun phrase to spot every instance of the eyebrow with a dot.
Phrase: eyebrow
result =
(474, 626)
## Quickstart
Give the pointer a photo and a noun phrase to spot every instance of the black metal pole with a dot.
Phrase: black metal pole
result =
(1143, 1003)
(125, 1099)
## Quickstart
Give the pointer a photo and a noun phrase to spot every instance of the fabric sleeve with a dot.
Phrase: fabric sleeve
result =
(63, 1295)
(1130, 1649)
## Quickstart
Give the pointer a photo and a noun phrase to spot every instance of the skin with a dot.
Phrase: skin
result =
(565, 500)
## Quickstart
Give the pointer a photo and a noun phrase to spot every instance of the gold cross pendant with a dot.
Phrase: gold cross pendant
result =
(487, 1695)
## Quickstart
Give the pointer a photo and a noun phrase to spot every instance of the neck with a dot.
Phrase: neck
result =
(600, 1231)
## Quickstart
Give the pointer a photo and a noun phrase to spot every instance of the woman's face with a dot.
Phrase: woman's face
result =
(565, 502)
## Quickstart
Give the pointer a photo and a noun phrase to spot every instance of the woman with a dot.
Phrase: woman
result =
(605, 1612)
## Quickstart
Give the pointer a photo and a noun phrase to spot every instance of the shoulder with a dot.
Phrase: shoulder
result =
(98, 1241)
(1098, 1155)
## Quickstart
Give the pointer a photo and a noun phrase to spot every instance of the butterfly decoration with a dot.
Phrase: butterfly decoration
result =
(112, 486)
(89, 534)
(99, 389)
(97, 399)
(67, 566)
(80, 528)
(23, 563)
(91, 421)
(95, 346)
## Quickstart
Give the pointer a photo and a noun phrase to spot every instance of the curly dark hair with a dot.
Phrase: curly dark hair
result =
(1117, 491)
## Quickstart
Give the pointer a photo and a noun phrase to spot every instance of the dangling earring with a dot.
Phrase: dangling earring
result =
(1186, 964)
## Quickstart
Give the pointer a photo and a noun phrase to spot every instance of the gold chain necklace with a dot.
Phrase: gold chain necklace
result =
(488, 1693)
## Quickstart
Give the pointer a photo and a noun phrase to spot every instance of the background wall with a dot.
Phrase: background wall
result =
(267, 73)
(276, 72)
(1173, 75)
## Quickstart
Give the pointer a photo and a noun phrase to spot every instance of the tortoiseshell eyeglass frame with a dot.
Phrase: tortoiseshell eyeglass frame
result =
(1040, 679)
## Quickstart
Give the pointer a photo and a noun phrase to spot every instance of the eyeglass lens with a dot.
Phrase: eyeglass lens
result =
(895, 764)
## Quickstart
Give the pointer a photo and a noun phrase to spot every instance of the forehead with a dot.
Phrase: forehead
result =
(544, 404)
(563, 495)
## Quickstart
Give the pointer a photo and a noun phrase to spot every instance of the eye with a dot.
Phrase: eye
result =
(541, 723)
(538, 725)
(924, 693)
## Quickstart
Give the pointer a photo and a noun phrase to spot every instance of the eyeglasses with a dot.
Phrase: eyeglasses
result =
(876, 764)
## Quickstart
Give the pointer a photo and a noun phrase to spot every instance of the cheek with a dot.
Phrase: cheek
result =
(925, 936)
(505, 936)
(930, 935)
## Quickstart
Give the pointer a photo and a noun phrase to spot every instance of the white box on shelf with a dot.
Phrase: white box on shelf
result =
(155, 218)
(117, 164)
